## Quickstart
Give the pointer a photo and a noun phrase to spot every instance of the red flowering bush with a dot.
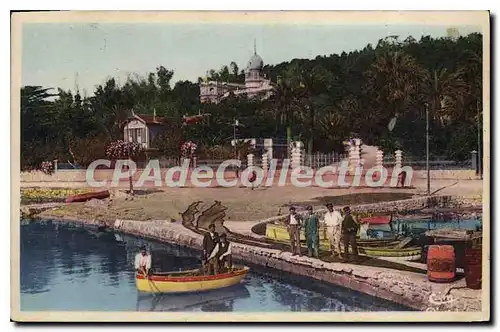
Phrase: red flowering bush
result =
(188, 149)
(47, 167)
(120, 149)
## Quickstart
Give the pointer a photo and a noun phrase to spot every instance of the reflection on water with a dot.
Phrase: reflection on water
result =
(217, 300)
(67, 267)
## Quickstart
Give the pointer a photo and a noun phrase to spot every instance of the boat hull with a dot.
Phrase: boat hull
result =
(406, 254)
(279, 233)
(87, 196)
(170, 283)
(372, 248)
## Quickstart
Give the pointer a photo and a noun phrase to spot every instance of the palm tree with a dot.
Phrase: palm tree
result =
(283, 106)
(310, 86)
(445, 92)
(393, 82)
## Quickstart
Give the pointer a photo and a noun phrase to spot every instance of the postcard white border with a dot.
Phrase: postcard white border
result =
(477, 18)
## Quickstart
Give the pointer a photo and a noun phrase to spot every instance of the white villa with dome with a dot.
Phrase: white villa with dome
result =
(256, 84)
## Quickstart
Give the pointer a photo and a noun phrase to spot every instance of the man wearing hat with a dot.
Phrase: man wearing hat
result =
(209, 241)
(311, 226)
(142, 262)
(349, 231)
(212, 261)
(224, 254)
(292, 222)
(333, 221)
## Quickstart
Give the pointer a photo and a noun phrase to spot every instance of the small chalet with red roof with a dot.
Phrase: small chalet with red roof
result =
(143, 129)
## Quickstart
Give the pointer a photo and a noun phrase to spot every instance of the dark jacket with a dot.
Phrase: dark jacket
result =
(298, 217)
(208, 243)
(222, 249)
(349, 226)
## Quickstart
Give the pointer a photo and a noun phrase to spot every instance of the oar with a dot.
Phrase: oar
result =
(151, 283)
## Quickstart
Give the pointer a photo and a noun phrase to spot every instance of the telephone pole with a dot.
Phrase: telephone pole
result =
(427, 149)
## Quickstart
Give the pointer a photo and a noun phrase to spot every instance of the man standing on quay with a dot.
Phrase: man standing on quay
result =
(349, 231)
(293, 225)
(333, 221)
(311, 226)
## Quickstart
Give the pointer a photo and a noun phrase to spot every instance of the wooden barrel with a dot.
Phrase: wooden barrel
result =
(473, 267)
(441, 263)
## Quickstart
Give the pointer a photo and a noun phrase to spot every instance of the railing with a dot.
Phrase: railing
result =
(435, 163)
(318, 160)
(66, 166)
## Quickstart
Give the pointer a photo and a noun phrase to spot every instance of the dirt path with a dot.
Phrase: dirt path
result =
(242, 203)
(261, 203)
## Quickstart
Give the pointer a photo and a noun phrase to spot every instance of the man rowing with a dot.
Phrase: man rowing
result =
(142, 262)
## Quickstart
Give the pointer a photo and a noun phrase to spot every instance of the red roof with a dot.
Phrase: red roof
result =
(150, 119)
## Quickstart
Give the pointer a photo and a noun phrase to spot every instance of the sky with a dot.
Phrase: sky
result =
(84, 55)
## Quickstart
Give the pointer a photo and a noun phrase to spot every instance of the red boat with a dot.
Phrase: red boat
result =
(377, 220)
(87, 196)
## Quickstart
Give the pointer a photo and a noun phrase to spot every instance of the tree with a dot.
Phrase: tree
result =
(234, 68)
(444, 91)
(323, 100)
(311, 84)
(283, 105)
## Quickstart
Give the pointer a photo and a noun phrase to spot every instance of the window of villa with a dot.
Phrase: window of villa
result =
(137, 135)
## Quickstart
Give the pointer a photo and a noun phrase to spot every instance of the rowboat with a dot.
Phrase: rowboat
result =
(404, 254)
(189, 281)
(372, 247)
(279, 233)
(87, 196)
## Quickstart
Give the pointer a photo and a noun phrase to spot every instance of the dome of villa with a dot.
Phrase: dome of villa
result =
(255, 63)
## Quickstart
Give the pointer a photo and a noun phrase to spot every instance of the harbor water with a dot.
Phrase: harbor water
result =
(67, 267)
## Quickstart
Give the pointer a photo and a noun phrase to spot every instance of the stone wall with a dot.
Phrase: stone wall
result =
(447, 174)
(107, 174)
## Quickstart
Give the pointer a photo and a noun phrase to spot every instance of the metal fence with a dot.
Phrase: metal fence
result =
(436, 162)
(66, 166)
(318, 160)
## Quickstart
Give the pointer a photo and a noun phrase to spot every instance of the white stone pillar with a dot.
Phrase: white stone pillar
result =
(355, 159)
(297, 155)
(268, 147)
(399, 159)
(264, 161)
(302, 153)
(379, 158)
(250, 160)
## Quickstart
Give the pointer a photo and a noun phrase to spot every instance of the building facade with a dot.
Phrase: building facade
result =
(256, 84)
(143, 129)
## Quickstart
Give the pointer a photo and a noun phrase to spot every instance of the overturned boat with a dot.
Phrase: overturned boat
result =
(87, 196)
